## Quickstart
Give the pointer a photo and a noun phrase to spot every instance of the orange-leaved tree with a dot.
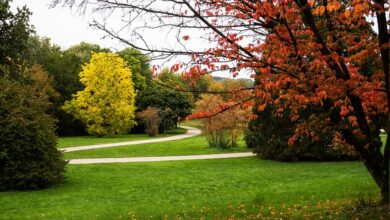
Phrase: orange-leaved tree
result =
(321, 53)
(150, 119)
(223, 129)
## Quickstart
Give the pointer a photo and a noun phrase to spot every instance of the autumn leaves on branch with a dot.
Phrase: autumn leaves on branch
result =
(302, 53)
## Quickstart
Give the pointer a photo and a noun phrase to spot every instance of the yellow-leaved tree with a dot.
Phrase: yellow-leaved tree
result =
(106, 105)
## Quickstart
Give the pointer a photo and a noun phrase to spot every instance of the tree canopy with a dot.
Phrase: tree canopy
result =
(15, 31)
(309, 52)
(139, 66)
(106, 105)
(181, 104)
(29, 158)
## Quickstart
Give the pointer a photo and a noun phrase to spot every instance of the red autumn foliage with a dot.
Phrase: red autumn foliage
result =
(312, 53)
(186, 37)
(302, 53)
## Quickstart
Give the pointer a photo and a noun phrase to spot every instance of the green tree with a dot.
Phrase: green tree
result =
(106, 105)
(199, 85)
(170, 78)
(84, 51)
(139, 66)
(29, 158)
(166, 95)
(14, 33)
(64, 67)
(180, 103)
(268, 134)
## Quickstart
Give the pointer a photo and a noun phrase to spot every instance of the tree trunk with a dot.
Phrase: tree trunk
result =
(380, 173)
(385, 192)
(376, 163)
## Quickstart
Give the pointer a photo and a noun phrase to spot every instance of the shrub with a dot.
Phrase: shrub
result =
(163, 98)
(150, 119)
(269, 134)
(223, 129)
(28, 155)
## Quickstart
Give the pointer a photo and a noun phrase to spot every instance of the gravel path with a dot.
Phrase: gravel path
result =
(157, 159)
(190, 133)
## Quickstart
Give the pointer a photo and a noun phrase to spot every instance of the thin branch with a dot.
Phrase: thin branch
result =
(227, 108)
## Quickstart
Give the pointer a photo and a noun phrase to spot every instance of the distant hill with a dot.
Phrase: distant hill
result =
(219, 78)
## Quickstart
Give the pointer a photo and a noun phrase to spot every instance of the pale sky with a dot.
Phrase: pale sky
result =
(64, 27)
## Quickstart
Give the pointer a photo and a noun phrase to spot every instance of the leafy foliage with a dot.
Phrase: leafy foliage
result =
(106, 105)
(223, 129)
(150, 119)
(310, 53)
(199, 85)
(84, 51)
(43, 81)
(28, 155)
(166, 96)
(139, 66)
(64, 67)
(15, 31)
(270, 131)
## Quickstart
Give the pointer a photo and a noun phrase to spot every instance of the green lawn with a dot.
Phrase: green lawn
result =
(189, 146)
(193, 123)
(242, 187)
(383, 139)
(90, 140)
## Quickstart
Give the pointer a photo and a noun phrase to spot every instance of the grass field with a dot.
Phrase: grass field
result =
(193, 123)
(383, 139)
(243, 188)
(90, 140)
(190, 146)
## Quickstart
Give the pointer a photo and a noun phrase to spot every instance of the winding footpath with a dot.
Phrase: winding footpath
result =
(190, 133)
(159, 159)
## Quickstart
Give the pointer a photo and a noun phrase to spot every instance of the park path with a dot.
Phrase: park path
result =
(190, 133)
(159, 159)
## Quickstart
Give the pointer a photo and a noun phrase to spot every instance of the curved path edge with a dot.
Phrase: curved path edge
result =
(190, 133)
(159, 159)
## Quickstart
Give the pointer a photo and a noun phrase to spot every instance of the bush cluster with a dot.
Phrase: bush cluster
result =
(28, 155)
(224, 129)
(151, 120)
(269, 134)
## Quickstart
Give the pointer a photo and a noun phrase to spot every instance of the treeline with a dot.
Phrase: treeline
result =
(37, 78)
(28, 155)
(64, 66)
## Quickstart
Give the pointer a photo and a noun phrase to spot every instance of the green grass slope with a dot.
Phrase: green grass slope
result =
(236, 188)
